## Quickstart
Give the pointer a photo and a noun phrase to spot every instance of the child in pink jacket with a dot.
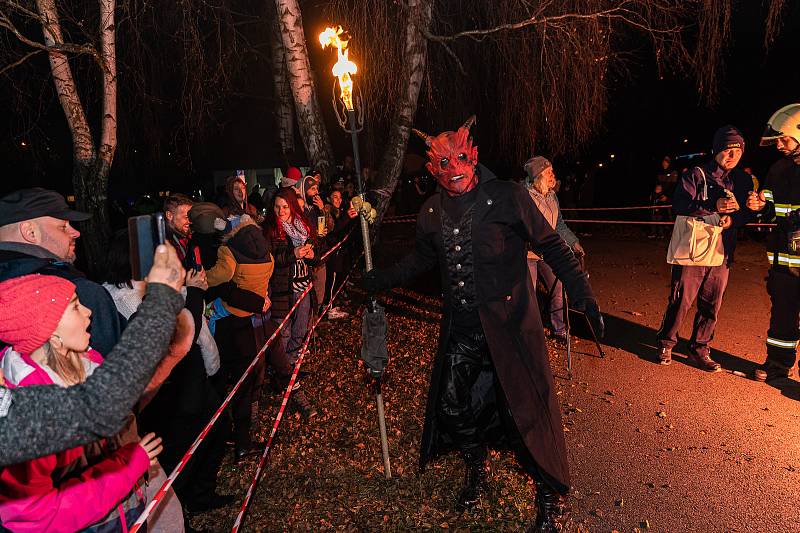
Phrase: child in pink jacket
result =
(88, 488)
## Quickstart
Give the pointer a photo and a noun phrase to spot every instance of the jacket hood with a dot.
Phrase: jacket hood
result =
(229, 198)
(247, 242)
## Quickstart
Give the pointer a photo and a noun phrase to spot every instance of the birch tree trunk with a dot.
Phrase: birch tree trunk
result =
(284, 113)
(90, 168)
(416, 54)
(309, 117)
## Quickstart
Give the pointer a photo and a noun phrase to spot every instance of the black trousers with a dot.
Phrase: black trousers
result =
(706, 285)
(463, 416)
(236, 341)
(198, 482)
(783, 287)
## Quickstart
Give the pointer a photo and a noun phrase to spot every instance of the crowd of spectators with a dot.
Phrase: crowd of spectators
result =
(165, 350)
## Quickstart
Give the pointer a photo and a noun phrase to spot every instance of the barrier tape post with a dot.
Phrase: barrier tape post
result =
(286, 395)
(190, 452)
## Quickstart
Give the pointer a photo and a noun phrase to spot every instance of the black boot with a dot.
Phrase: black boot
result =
(476, 478)
(552, 511)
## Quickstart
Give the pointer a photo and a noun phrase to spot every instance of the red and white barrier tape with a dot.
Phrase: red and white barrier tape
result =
(623, 208)
(188, 455)
(336, 246)
(656, 223)
(251, 489)
(591, 221)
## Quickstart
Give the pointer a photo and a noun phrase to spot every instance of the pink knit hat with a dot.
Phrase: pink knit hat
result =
(30, 309)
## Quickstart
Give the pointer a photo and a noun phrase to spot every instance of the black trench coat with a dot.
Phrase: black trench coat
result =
(505, 220)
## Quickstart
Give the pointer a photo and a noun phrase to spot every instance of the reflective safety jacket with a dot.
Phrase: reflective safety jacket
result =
(782, 192)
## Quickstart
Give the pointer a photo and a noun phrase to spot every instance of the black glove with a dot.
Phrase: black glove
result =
(589, 307)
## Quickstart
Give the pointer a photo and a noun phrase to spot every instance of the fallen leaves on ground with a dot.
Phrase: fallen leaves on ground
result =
(327, 473)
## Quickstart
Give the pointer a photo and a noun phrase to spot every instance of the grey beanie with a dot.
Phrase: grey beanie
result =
(536, 165)
(202, 215)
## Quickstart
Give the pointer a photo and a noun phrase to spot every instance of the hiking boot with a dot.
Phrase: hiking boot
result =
(552, 511)
(704, 362)
(770, 372)
(301, 404)
(665, 356)
(560, 337)
(476, 478)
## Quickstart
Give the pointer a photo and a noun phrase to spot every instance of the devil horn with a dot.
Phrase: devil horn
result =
(470, 122)
(424, 136)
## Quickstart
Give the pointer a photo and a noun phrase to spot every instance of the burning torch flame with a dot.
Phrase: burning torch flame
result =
(343, 67)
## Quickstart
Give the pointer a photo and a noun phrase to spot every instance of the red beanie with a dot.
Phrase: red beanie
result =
(30, 309)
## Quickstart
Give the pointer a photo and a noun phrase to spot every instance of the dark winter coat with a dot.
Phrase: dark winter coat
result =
(688, 197)
(280, 284)
(504, 221)
(18, 259)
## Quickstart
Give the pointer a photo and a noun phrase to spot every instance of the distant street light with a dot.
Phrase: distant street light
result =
(600, 164)
(612, 156)
(685, 141)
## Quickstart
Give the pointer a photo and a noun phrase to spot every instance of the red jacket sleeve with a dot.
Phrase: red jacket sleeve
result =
(29, 501)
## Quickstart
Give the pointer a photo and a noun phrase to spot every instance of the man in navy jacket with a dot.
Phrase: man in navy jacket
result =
(714, 188)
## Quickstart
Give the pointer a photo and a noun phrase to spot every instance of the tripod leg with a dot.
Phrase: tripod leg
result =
(567, 329)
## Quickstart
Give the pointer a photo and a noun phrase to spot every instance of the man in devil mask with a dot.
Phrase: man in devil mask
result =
(491, 381)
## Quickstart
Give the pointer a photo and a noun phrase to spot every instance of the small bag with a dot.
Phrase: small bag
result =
(696, 241)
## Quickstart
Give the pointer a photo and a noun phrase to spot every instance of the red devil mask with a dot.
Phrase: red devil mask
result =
(452, 159)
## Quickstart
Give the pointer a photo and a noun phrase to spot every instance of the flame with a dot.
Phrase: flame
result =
(343, 68)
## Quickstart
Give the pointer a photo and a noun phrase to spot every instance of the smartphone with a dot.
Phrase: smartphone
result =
(197, 262)
(145, 233)
(320, 225)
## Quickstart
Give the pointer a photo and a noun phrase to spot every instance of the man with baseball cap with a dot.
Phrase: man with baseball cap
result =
(36, 236)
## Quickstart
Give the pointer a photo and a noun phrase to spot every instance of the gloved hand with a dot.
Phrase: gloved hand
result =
(578, 249)
(589, 307)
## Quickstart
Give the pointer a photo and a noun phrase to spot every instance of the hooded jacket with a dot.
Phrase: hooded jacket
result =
(233, 207)
(66, 491)
(243, 258)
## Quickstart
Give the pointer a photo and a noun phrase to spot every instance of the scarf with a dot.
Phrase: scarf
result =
(296, 231)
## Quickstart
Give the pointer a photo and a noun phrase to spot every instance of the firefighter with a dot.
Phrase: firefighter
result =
(780, 201)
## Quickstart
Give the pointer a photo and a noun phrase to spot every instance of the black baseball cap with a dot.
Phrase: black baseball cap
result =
(26, 204)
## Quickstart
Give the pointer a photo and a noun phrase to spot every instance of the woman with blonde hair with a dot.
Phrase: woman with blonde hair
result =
(46, 328)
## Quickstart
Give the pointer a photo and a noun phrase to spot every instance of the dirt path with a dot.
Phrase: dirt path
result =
(725, 455)
(665, 448)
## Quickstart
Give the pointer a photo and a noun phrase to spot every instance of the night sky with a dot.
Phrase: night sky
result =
(647, 118)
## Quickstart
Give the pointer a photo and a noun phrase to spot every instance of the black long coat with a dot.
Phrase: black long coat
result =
(504, 221)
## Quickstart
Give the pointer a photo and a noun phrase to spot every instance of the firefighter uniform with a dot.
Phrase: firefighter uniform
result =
(782, 194)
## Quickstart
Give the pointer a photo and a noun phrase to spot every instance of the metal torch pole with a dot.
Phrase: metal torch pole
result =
(387, 467)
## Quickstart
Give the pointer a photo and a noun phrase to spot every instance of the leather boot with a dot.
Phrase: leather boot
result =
(476, 478)
(552, 511)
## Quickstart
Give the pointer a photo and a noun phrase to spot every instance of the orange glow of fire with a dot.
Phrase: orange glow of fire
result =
(343, 68)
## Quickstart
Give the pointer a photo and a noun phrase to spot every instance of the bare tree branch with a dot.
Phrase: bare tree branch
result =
(59, 47)
(20, 61)
(620, 13)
